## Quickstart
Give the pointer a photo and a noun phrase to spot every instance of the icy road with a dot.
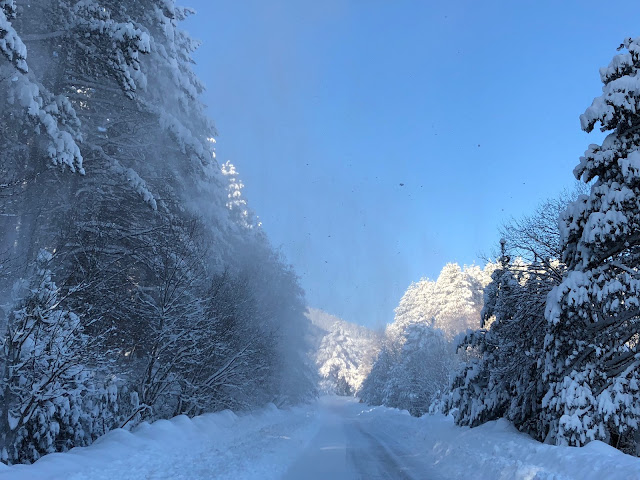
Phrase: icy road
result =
(333, 439)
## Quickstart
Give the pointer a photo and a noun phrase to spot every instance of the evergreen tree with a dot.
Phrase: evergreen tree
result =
(594, 314)
(338, 363)
(374, 388)
(501, 376)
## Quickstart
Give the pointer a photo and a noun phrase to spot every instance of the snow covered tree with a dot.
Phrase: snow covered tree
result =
(374, 388)
(593, 316)
(422, 370)
(344, 352)
(169, 304)
(501, 376)
(454, 300)
(412, 373)
(416, 306)
(280, 320)
(535, 238)
(452, 303)
(28, 105)
(230, 359)
(338, 363)
(416, 363)
(236, 203)
(12, 47)
(43, 376)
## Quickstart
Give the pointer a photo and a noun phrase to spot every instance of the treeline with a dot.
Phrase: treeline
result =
(558, 352)
(135, 282)
(417, 355)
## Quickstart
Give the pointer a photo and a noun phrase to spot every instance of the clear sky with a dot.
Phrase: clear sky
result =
(380, 139)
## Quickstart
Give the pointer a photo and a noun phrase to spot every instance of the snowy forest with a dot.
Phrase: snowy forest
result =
(137, 283)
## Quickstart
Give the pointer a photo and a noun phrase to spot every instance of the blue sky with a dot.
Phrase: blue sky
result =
(379, 140)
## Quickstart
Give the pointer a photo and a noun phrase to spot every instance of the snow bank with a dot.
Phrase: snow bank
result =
(217, 445)
(496, 450)
(264, 444)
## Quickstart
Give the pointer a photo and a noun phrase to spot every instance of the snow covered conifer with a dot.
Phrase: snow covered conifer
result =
(374, 386)
(475, 394)
(337, 362)
(592, 358)
(501, 377)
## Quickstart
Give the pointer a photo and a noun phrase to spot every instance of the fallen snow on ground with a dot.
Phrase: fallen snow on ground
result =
(219, 445)
(335, 438)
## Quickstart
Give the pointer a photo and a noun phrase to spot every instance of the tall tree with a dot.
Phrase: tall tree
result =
(593, 316)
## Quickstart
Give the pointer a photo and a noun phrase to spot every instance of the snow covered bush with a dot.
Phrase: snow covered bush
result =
(43, 377)
(592, 359)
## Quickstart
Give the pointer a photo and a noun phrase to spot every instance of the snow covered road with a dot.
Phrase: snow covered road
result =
(335, 438)
(349, 447)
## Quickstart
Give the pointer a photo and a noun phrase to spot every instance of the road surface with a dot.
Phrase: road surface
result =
(350, 446)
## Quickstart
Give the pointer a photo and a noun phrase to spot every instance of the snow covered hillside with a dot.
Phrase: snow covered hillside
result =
(335, 437)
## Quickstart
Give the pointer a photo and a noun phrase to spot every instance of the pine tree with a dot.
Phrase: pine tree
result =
(594, 314)
(501, 375)
(476, 395)
(338, 362)
(374, 388)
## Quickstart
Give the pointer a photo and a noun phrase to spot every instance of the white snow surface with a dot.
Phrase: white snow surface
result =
(334, 438)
